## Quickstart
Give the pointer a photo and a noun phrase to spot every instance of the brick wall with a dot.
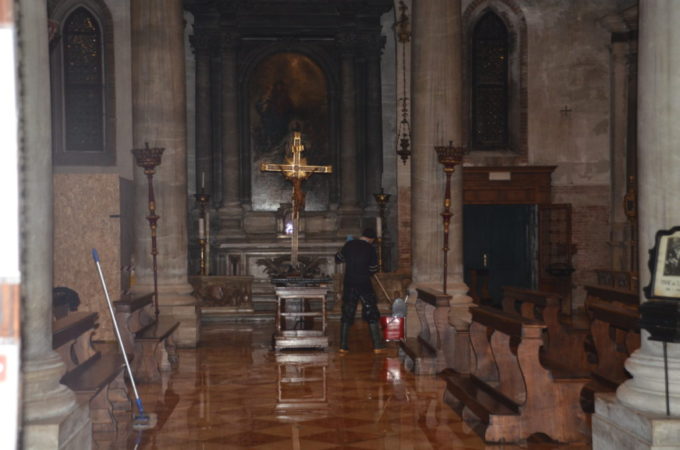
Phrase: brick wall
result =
(590, 233)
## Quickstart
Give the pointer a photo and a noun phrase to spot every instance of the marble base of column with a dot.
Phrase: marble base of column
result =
(372, 208)
(176, 300)
(231, 222)
(646, 391)
(52, 419)
(349, 220)
(618, 427)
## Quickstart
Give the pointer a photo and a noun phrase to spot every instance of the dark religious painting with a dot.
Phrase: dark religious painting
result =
(288, 91)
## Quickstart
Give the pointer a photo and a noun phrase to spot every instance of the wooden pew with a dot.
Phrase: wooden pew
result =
(617, 279)
(95, 377)
(618, 296)
(566, 335)
(509, 395)
(149, 343)
(615, 330)
(427, 353)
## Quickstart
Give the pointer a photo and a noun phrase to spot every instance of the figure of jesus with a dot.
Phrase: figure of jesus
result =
(296, 170)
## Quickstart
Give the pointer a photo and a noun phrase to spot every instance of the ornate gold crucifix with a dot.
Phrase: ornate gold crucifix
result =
(296, 170)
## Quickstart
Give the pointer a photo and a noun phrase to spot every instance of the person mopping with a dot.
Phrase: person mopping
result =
(361, 261)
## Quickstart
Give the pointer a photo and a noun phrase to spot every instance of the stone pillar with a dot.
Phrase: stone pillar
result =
(201, 41)
(349, 191)
(619, 130)
(231, 215)
(51, 417)
(635, 417)
(374, 155)
(159, 118)
(437, 119)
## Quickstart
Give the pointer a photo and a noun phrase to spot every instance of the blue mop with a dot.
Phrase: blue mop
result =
(142, 420)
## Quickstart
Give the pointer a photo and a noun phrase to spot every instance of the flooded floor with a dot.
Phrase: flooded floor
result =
(234, 392)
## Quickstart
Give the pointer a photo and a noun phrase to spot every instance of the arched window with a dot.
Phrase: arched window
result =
(82, 91)
(83, 83)
(490, 96)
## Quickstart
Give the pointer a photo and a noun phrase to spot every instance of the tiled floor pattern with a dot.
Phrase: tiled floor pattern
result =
(234, 392)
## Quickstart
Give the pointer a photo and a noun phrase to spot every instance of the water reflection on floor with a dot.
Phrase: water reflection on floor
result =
(234, 392)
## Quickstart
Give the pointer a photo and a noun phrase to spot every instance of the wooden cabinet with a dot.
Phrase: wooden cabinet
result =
(295, 305)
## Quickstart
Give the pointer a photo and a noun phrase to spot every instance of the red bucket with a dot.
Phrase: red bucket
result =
(393, 328)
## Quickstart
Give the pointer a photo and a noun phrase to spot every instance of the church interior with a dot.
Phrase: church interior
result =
(181, 173)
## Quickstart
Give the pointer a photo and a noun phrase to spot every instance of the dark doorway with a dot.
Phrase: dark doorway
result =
(499, 246)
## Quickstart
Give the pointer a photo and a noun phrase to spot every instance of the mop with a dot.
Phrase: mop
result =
(142, 420)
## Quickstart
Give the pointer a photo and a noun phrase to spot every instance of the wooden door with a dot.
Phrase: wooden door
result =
(498, 242)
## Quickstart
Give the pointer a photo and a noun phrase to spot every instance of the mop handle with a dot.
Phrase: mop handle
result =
(95, 256)
(387, 297)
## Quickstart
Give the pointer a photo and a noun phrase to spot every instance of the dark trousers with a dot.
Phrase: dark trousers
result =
(369, 309)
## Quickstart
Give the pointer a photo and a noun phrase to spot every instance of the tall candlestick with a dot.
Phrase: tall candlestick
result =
(201, 228)
(381, 199)
(449, 157)
(202, 180)
(149, 159)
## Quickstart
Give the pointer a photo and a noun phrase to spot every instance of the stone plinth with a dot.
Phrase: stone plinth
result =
(224, 295)
(617, 427)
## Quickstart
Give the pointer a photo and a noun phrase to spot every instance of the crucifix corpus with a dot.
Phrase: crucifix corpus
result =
(296, 170)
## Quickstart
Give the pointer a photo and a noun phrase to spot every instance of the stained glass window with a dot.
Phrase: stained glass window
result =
(83, 83)
(490, 83)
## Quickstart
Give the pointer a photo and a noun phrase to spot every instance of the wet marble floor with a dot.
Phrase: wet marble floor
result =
(234, 392)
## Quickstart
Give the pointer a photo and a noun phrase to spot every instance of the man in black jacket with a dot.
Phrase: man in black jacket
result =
(361, 261)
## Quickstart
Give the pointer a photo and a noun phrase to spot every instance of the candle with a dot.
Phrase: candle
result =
(202, 180)
(378, 227)
(201, 228)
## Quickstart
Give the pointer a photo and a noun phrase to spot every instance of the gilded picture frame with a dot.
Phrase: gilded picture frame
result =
(664, 265)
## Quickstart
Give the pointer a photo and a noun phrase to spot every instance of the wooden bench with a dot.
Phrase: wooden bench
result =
(95, 377)
(615, 330)
(566, 335)
(155, 350)
(509, 395)
(617, 279)
(447, 343)
(149, 343)
(418, 356)
(614, 295)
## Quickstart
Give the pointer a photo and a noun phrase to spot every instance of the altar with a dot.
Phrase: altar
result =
(241, 259)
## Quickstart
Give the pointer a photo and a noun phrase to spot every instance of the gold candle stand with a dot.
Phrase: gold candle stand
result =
(381, 198)
(150, 158)
(449, 157)
(202, 198)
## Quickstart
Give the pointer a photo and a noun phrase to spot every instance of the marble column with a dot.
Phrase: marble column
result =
(437, 119)
(200, 42)
(374, 168)
(231, 214)
(51, 416)
(349, 190)
(635, 417)
(159, 118)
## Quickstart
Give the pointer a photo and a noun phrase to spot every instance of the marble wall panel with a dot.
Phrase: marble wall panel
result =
(87, 216)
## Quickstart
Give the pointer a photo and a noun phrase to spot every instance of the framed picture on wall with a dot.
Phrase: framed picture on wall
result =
(664, 264)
